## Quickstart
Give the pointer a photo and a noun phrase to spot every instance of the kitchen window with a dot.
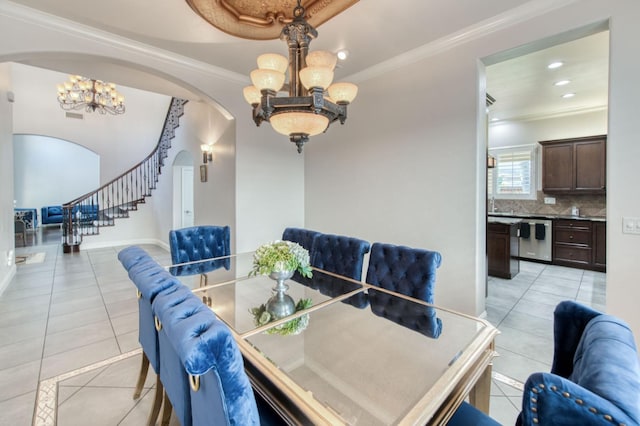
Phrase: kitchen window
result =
(514, 174)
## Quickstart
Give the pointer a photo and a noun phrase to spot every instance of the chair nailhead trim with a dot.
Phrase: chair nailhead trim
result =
(534, 400)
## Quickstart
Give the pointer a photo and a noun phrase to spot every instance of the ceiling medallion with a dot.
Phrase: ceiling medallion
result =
(263, 20)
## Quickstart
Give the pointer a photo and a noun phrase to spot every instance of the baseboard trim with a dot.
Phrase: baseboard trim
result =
(7, 279)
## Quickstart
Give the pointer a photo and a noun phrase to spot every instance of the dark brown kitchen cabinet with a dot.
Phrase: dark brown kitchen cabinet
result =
(600, 246)
(503, 249)
(579, 243)
(574, 166)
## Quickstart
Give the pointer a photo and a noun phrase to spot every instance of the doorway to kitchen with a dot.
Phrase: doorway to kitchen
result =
(552, 90)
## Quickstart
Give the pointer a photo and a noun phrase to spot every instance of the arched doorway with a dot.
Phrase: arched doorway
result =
(183, 190)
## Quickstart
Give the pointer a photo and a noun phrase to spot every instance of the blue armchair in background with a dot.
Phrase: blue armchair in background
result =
(595, 376)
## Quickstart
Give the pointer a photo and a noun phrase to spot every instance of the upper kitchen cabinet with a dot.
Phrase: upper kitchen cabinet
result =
(574, 166)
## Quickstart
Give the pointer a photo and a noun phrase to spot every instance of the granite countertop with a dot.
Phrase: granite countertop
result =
(504, 220)
(545, 216)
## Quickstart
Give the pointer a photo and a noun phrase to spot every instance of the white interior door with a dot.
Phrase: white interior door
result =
(187, 197)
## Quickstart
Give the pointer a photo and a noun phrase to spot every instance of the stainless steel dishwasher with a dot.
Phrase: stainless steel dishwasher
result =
(536, 244)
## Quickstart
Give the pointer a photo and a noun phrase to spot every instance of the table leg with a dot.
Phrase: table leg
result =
(481, 393)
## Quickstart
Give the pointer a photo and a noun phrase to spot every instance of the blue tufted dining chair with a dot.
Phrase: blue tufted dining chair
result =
(343, 256)
(170, 307)
(407, 271)
(595, 375)
(198, 243)
(150, 279)
(305, 238)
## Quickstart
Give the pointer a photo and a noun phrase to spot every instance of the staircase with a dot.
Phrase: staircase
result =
(87, 214)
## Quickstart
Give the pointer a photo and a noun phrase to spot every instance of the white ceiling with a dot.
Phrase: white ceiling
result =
(374, 32)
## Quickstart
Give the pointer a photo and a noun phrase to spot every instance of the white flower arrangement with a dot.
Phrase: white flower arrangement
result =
(279, 256)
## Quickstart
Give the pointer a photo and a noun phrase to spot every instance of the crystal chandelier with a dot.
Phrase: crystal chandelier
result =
(81, 92)
(313, 103)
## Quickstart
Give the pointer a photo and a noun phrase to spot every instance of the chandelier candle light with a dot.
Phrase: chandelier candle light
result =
(313, 102)
(81, 92)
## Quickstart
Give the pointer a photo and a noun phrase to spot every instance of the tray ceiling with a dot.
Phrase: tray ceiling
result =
(262, 20)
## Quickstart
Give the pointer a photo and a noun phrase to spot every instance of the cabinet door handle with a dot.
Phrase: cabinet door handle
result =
(571, 237)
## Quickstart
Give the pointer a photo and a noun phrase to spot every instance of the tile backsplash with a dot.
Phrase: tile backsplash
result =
(589, 205)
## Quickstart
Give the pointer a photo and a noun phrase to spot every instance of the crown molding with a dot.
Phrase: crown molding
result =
(499, 22)
(75, 29)
(549, 115)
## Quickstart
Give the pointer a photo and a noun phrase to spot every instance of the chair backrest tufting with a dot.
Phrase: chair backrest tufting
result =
(199, 243)
(209, 351)
(339, 254)
(407, 271)
(203, 347)
(305, 238)
(302, 236)
(343, 256)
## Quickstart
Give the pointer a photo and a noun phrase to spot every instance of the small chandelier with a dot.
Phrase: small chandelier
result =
(313, 102)
(81, 92)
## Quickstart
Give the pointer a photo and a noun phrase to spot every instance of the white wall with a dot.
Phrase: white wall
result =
(7, 242)
(49, 171)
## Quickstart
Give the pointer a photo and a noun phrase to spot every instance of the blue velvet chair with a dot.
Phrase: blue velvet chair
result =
(169, 308)
(198, 243)
(468, 415)
(343, 256)
(407, 271)
(595, 375)
(305, 238)
(150, 279)
(202, 368)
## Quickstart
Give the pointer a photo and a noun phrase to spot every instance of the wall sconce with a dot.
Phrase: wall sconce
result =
(207, 153)
(491, 161)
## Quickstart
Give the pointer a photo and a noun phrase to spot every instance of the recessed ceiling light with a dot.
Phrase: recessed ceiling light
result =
(568, 95)
(343, 54)
(562, 82)
(554, 65)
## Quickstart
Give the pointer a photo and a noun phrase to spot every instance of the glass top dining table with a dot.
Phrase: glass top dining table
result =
(355, 354)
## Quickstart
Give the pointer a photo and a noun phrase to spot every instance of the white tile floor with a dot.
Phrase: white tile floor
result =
(77, 309)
